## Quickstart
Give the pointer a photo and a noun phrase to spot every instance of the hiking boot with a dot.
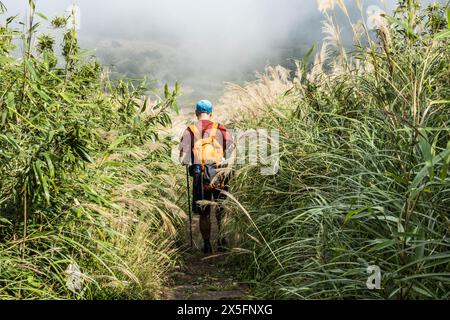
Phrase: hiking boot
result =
(222, 245)
(207, 248)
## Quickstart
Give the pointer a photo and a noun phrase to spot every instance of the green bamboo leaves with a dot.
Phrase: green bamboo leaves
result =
(8, 108)
(11, 141)
(448, 14)
(77, 179)
(42, 179)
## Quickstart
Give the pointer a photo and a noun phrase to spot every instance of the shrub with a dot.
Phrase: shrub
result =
(363, 176)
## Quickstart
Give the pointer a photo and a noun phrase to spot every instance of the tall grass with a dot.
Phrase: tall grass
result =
(86, 205)
(363, 177)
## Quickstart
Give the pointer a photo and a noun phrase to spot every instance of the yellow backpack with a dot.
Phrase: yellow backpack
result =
(207, 150)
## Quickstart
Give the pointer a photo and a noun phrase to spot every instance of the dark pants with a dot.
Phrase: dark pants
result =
(205, 210)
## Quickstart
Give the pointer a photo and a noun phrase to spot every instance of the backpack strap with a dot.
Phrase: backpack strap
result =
(214, 129)
(196, 132)
(198, 138)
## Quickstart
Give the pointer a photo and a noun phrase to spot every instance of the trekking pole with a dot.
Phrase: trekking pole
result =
(189, 204)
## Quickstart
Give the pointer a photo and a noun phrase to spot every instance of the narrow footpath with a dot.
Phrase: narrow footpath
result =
(205, 277)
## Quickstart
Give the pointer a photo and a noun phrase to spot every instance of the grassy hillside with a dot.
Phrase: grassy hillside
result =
(363, 179)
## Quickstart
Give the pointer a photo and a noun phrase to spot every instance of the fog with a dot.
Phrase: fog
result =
(201, 43)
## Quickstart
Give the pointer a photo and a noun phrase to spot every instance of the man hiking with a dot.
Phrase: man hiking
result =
(206, 146)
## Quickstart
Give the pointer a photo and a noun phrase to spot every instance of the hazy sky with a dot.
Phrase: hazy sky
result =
(213, 29)
(202, 43)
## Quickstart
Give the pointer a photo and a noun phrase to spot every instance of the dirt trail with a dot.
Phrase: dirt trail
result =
(205, 277)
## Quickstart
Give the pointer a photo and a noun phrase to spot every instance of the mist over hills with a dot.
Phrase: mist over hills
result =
(166, 63)
(200, 43)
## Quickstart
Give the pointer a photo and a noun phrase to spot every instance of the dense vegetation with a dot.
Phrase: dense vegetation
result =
(88, 189)
(364, 161)
(85, 198)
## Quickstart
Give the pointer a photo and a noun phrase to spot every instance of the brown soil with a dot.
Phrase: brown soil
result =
(205, 277)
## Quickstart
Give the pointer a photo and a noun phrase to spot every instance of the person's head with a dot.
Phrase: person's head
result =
(204, 109)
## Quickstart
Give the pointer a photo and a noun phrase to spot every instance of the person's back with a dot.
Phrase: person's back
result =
(203, 130)
(205, 146)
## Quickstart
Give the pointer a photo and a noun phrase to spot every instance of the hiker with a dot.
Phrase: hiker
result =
(207, 147)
